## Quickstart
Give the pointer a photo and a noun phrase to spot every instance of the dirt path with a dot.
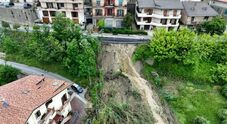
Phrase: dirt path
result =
(117, 58)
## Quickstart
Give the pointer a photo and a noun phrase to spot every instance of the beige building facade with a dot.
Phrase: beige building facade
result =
(72, 9)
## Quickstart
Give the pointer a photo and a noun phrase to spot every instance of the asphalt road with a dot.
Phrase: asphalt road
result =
(33, 70)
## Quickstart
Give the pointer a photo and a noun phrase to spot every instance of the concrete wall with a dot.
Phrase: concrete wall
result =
(18, 16)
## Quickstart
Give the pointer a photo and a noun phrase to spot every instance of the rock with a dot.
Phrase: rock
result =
(154, 74)
(149, 61)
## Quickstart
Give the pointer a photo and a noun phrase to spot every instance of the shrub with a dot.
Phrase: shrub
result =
(16, 26)
(124, 31)
(8, 74)
(5, 24)
(224, 122)
(222, 114)
(224, 91)
(220, 74)
(200, 120)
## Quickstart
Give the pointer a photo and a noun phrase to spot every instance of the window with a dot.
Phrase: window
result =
(45, 13)
(49, 5)
(52, 13)
(225, 12)
(48, 103)
(74, 14)
(120, 12)
(174, 12)
(98, 12)
(64, 14)
(118, 23)
(173, 21)
(37, 114)
(109, 12)
(192, 19)
(120, 2)
(64, 99)
(75, 5)
(164, 21)
(60, 5)
(165, 13)
(98, 2)
(206, 18)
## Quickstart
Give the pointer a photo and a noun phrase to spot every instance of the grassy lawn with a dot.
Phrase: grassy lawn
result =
(188, 91)
(53, 67)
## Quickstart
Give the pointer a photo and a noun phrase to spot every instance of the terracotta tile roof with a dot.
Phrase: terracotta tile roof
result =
(25, 95)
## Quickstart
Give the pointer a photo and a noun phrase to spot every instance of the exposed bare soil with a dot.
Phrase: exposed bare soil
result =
(115, 59)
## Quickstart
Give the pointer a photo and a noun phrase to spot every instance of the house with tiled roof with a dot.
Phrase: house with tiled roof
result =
(197, 12)
(35, 100)
(220, 6)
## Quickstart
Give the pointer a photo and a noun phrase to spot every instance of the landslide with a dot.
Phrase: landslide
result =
(123, 84)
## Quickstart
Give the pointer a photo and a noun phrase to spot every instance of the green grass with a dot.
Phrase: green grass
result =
(188, 91)
(53, 67)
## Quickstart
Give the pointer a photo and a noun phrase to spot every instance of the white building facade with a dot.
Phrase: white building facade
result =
(58, 106)
(151, 14)
(72, 9)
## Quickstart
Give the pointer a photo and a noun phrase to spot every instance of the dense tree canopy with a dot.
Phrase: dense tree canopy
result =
(8, 74)
(128, 20)
(215, 26)
(65, 44)
(190, 49)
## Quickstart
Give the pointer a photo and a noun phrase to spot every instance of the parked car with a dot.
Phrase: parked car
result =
(8, 4)
(77, 88)
(27, 5)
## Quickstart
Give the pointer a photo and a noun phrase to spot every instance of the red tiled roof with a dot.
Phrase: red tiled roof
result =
(25, 95)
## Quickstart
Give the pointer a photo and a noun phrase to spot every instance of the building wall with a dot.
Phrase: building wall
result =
(56, 105)
(110, 21)
(149, 18)
(68, 9)
(188, 20)
(18, 16)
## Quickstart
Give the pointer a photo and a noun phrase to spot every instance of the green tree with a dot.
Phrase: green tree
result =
(127, 21)
(64, 30)
(81, 58)
(215, 26)
(220, 74)
(9, 45)
(101, 24)
(8, 74)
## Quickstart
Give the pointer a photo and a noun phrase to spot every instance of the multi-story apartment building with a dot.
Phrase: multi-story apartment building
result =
(112, 11)
(220, 6)
(35, 100)
(72, 9)
(17, 12)
(197, 12)
(158, 14)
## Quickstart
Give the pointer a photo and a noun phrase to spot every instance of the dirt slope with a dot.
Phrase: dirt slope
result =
(117, 58)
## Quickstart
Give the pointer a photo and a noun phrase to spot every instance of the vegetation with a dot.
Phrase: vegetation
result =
(108, 109)
(215, 26)
(127, 21)
(224, 91)
(123, 31)
(101, 23)
(66, 47)
(8, 74)
(16, 26)
(200, 120)
(5, 24)
(191, 69)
